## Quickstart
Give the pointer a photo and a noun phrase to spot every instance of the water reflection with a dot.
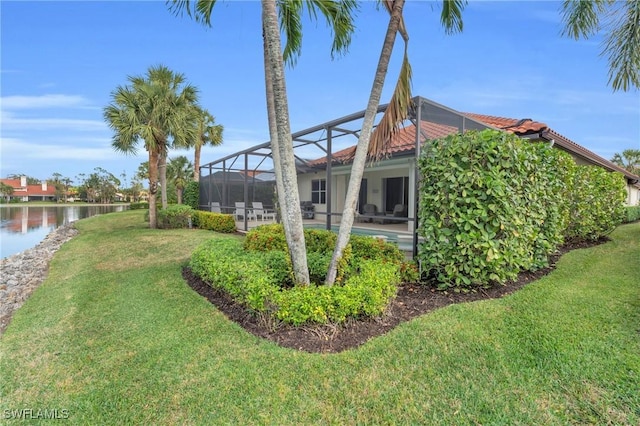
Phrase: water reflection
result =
(23, 227)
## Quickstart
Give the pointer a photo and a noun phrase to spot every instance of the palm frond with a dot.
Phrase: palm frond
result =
(289, 13)
(581, 18)
(451, 16)
(396, 113)
(622, 46)
(202, 9)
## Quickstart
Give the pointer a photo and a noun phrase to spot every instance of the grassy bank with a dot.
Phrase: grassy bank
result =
(115, 336)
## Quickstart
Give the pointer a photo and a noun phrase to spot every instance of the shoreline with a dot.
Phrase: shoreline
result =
(23, 272)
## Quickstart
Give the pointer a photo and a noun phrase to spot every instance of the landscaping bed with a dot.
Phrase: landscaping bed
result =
(411, 301)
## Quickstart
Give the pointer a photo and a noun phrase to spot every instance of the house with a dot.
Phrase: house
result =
(24, 192)
(391, 182)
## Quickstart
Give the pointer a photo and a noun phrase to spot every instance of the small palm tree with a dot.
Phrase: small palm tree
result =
(179, 171)
(628, 160)
(158, 109)
(209, 133)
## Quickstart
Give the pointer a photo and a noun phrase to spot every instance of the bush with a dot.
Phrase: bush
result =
(632, 213)
(253, 278)
(597, 203)
(490, 206)
(175, 216)
(191, 194)
(139, 206)
(217, 222)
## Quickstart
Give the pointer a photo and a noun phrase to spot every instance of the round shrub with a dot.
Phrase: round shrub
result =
(175, 216)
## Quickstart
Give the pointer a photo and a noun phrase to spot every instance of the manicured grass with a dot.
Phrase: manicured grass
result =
(115, 336)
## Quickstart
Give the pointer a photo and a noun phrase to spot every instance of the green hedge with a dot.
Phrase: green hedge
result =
(490, 206)
(214, 221)
(191, 194)
(493, 205)
(632, 213)
(175, 216)
(139, 206)
(255, 278)
(597, 203)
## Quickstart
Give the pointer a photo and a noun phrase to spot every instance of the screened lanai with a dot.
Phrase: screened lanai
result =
(237, 181)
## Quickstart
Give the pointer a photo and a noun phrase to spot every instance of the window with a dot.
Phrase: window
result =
(319, 191)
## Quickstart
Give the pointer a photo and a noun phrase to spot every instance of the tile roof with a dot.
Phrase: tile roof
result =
(404, 142)
(29, 190)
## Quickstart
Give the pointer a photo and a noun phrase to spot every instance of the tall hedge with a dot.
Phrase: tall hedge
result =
(490, 206)
(191, 195)
(597, 203)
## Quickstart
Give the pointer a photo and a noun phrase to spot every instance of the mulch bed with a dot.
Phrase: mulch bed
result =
(412, 301)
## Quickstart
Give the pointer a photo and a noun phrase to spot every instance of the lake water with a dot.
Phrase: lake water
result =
(23, 227)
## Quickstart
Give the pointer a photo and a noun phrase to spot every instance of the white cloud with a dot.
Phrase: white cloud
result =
(43, 101)
(92, 149)
(12, 122)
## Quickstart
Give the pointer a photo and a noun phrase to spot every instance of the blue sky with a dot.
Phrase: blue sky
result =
(60, 61)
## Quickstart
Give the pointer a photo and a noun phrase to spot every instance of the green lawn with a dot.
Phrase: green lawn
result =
(115, 336)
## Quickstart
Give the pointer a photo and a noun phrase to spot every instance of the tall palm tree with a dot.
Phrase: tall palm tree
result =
(209, 133)
(374, 144)
(179, 171)
(286, 14)
(158, 109)
(621, 22)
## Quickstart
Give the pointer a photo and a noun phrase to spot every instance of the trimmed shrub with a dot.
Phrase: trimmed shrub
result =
(252, 278)
(139, 206)
(597, 203)
(490, 207)
(191, 194)
(175, 216)
(632, 213)
(217, 222)
(266, 238)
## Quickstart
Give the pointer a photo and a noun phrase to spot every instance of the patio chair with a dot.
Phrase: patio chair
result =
(259, 210)
(241, 210)
(214, 207)
(399, 210)
(370, 210)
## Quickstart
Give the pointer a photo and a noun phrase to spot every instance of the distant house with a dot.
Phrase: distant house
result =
(24, 192)
(390, 184)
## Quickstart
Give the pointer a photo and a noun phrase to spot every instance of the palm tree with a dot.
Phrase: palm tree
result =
(628, 160)
(6, 190)
(179, 171)
(374, 145)
(156, 108)
(286, 14)
(209, 133)
(621, 23)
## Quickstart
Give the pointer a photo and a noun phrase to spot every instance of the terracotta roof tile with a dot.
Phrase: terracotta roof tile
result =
(522, 126)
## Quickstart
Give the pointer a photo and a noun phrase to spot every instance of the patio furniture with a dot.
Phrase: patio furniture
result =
(259, 210)
(214, 207)
(308, 210)
(240, 212)
(370, 210)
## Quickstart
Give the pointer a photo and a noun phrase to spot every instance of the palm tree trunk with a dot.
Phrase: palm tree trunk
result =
(162, 170)
(281, 143)
(360, 159)
(153, 188)
(196, 163)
